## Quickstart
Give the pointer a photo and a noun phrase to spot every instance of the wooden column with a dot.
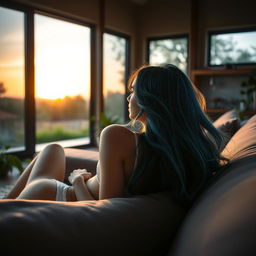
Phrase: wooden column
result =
(100, 51)
(97, 98)
(193, 37)
(30, 118)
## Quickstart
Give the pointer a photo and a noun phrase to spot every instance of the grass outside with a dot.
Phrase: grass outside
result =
(59, 133)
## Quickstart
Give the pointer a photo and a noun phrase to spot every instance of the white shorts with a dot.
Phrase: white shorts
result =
(61, 190)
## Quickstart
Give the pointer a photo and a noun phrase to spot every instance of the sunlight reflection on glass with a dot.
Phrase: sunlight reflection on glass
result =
(62, 69)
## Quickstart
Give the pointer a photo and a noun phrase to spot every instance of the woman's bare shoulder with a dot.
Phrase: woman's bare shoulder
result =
(120, 134)
(117, 130)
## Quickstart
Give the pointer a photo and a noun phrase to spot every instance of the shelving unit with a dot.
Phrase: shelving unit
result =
(197, 73)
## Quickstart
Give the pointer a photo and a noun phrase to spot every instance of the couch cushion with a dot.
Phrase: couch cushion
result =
(143, 225)
(228, 123)
(222, 222)
(81, 158)
(243, 142)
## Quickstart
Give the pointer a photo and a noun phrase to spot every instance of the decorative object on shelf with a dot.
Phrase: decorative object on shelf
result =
(250, 90)
(8, 161)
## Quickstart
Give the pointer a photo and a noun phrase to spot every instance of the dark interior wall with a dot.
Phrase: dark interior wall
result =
(87, 10)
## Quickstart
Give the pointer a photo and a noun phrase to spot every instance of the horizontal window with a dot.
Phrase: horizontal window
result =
(236, 48)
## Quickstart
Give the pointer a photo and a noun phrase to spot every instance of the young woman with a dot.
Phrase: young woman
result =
(170, 144)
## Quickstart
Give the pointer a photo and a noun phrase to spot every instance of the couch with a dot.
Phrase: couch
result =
(222, 221)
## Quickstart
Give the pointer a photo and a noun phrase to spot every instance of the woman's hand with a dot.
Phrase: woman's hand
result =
(79, 175)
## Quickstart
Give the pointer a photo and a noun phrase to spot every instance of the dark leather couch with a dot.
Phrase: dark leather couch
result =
(221, 222)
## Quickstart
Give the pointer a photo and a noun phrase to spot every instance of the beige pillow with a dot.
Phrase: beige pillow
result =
(228, 123)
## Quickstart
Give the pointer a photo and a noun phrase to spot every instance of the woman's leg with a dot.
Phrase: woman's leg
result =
(49, 164)
(22, 181)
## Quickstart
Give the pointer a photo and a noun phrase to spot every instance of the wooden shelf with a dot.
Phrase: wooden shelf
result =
(222, 110)
(196, 73)
(211, 72)
(216, 110)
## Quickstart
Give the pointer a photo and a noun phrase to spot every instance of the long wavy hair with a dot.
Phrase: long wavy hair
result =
(179, 147)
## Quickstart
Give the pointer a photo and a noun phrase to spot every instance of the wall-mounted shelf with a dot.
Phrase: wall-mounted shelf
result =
(195, 73)
(214, 113)
(207, 72)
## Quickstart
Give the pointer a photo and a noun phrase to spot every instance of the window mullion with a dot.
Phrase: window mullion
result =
(29, 83)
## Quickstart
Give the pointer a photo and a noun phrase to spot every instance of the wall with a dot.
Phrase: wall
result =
(162, 17)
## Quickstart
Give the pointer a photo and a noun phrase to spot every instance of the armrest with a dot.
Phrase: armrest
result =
(81, 158)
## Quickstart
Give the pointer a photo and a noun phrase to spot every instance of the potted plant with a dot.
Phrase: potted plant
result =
(8, 161)
(104, 121)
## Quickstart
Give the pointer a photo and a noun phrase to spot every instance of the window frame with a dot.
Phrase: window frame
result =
(226, 31)
(29, 99)
(156, 38)
(127, 66)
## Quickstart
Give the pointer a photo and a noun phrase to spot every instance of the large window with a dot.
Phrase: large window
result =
(12, 78)
(45, 79)
(62, 81)
(114, 76)
(232, 47)
(171, 50)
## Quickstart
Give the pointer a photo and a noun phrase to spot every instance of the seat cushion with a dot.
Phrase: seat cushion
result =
(80, 159)
(243, 143)
(142, 225)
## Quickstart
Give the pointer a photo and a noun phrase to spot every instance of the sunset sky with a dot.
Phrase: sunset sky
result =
(62, 57)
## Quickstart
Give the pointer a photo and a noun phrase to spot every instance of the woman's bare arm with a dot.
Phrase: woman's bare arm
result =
(81, 190)
(115, 146)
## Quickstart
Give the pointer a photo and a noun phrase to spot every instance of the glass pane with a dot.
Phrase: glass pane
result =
(62, 69)
(171, 51)
(114, 77)
(12, 81)
(233, 48)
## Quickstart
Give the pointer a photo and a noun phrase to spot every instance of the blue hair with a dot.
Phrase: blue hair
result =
(180, 147)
